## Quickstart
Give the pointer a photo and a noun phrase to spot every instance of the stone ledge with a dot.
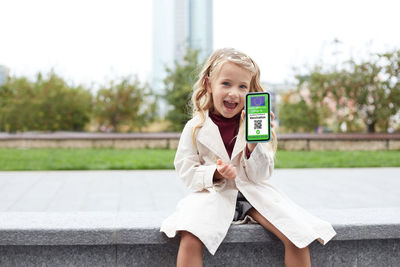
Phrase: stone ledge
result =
(62, 135)
(108, 228)
(169, 140)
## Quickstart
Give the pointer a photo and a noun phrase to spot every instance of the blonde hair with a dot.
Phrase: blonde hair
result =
(202, 99)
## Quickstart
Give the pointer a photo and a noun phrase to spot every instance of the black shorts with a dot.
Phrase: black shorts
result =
(242, 207)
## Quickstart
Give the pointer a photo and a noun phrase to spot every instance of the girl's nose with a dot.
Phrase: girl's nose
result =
(234, 92)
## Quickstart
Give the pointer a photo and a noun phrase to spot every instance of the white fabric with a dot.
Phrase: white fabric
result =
(208, 211)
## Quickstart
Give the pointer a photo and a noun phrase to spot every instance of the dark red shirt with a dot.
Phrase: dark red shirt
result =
(228, 128)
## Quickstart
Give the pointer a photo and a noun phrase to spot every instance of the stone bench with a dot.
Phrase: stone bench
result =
(365, 237)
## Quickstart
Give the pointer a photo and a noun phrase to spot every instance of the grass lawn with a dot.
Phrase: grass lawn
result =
(139, 159)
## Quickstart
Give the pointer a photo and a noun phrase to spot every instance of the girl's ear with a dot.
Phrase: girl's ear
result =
(208, 85)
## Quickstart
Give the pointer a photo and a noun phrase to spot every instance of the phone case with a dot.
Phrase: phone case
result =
(258, 119)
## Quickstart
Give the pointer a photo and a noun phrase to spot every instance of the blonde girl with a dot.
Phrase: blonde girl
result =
(227, 177)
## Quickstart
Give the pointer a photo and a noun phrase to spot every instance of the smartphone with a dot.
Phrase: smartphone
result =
(258, 118)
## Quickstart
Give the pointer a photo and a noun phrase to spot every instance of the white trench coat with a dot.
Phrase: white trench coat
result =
(208, 211)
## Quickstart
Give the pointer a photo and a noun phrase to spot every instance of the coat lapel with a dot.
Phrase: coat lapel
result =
(210, 136)
(239, 146)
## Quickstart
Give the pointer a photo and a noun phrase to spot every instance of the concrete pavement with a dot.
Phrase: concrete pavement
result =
(112, 218)
(160, 190)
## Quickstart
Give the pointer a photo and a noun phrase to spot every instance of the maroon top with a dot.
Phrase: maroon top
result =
(228, 128)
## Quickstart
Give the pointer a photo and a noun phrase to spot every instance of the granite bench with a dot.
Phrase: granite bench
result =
(365, 237)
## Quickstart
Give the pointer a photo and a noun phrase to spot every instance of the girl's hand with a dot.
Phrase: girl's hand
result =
(251, 146)
(227, 171)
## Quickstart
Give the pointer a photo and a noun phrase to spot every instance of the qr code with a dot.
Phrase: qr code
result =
(257, 124)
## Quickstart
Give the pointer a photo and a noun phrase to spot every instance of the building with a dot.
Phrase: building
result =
(176, 25)
(4, 72)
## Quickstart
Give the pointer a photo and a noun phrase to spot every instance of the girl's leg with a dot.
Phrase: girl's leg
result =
(190, 251)
(294, 256)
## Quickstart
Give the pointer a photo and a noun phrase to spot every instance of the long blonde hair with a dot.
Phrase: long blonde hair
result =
(202, 99)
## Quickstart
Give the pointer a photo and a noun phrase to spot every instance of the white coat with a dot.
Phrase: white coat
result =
(208, 211)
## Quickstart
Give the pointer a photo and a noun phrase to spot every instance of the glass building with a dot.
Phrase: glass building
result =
(176, 25)
(3, 74)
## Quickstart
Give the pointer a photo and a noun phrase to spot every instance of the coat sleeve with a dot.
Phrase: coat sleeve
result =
(193, 174)
(260, 164)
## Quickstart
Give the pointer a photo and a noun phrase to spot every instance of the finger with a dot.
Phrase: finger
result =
(229, 174)
(243, 114)
(231, 170)
(219, 162)
(223, 168)
(232, 175)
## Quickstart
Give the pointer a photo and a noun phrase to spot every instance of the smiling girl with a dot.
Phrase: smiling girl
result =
(227, 177)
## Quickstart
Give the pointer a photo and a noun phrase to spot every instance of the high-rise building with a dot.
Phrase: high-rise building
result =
(178, 24)
(200, 26)
(3, 74)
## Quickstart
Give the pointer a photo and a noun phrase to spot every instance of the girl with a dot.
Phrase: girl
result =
(227, 177)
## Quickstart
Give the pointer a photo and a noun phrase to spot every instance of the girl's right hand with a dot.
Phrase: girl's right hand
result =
(227, 171)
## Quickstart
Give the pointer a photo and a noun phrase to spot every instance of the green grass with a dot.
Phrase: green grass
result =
(86, 159)
(337, 159)
(139, 159)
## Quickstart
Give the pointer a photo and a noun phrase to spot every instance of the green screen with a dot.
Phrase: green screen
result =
(257, 123)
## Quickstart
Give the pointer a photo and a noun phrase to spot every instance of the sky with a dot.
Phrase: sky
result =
(91, 42)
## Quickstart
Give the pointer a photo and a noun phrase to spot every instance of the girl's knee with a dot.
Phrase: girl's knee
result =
(189, 240)
(290, 245)
(269, 226)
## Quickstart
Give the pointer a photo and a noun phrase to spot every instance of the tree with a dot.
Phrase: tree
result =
(296, 115)
(61, 107)
(46, 104)
(375, 87)
(369, 90)
(16, 97)
(178, 87)
(124, 103)
(328, 91)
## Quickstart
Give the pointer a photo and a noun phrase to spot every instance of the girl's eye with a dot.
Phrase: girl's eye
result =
(243, 87)
(226, 83)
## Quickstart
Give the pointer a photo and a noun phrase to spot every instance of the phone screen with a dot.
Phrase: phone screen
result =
(258, 126)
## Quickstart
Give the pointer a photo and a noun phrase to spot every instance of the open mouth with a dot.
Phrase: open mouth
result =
(230, 105)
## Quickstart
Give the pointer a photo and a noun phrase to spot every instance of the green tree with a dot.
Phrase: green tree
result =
(125, 103)
(328, 88)
(16, 98)
(375, 87)
(46, 104)
(61, 107)
(178, 87)
(367, 91)
(297, 116)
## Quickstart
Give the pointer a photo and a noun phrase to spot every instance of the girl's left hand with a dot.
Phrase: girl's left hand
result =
(272, 117)
(251, 146)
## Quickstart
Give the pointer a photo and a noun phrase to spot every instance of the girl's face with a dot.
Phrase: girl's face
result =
(229, 89)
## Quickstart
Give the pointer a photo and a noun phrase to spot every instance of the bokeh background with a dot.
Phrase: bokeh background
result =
(128, 66)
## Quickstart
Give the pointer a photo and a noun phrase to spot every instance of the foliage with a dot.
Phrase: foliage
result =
(368, 91)
(124, 103)
(46, 104)
(178, 89)
(375, 86)
(297, 116)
